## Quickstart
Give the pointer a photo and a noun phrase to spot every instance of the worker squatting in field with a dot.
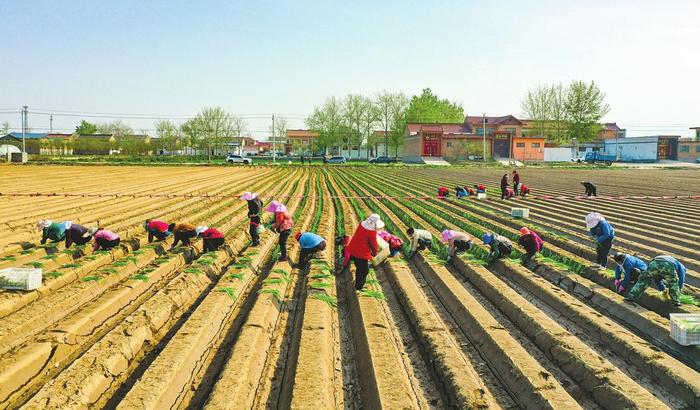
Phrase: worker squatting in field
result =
(664, 272)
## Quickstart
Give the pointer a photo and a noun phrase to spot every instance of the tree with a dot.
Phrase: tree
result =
(117, 128)
(238, 125)
(557, 113)
(193, 132)
(537, 106)
(217, 126)
(278, 131)
(397, 129)
(368, 123)
(86, 128)
(168, 134)
(585, 108)
(385, 102)
(5, 128)
(428, 108)
(353, 110)
(327, 120)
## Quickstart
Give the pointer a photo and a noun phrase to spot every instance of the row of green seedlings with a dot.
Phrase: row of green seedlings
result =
(324, 279)
(284, 275)
(547, 256)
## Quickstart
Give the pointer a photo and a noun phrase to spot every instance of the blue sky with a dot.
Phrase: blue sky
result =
(175, 57)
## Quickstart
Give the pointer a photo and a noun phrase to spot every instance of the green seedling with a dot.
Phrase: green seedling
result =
(238, 276)
(373, 282)
(321, 276)
(331, 301)
(205, 262)
(54, 274)
(71, 265)
(92, 278)
(67, 251)
(688, 300)
(245, 259)
(108, 270)
(274, 292)
(376, 294)
(141, 276)
(131, 259)
(148, 269)
(194, 270)
(27, 251)
(231, 292)
(320, 285)
(91, 257)
(139, 252)
(8, 258)
(36, 264)
(280, 271)
(120, 263)
(239, 266)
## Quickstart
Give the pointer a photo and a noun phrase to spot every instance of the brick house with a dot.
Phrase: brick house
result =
(689, 148)
(502, 129)
(300, 142)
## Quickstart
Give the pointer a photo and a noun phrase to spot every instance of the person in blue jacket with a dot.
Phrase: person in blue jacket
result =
(630, 267)
(604, 234)
(309, 243)
(461, 192)
(665, 271)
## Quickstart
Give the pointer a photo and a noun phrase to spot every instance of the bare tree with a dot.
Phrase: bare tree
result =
(5, 128)
(279, 130)
(353, 111)
(537, 106)
(167, 133)
(117, 128)
(239, 125)
(216, 125)
(385, 102)
(368, 122)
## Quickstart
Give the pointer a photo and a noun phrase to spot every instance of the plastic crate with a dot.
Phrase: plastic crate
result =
(481, 195)
(685, 328)
(520, 212)
(21, 278)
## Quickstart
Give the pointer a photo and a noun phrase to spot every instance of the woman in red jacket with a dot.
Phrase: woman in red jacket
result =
(212, 238)
(363, 247)
(283, 224)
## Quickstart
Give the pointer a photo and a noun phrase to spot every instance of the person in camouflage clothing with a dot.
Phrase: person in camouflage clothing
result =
(665, 271)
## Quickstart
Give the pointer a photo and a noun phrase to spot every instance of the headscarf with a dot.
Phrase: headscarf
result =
(44, 223)
(373, 222)
(198, 230)
(247, 196)
(524, 231)
(487, 238)
(90, 232)
(448, 234)
(67, 224)
(593, 218)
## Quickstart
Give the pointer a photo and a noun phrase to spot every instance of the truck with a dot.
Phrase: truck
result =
(593, 157)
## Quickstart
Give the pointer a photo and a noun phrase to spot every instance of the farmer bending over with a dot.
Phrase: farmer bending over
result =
(524, 190)
(76, 234)
(310, 243)
(182, 232)
(156, 229)
(53, 231)
(395, 243)
(283, 224)
(500, 246)
(630, 267)
(590, 188)
(104, 239)
(665, 269)
(460, 192)
(212, 239)
(532, 243)
(363, 247)
(420, 239)
(458, 242)
(443, 192)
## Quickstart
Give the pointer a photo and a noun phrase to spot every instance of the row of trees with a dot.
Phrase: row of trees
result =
(350, 122)
(561, 112)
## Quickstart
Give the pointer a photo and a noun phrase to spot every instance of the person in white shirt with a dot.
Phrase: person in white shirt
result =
(420, 239)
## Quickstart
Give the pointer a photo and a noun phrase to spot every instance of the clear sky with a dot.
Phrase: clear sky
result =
(171, 58)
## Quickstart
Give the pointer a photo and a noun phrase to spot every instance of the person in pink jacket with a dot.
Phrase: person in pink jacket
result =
(283, 224)
(104, 239)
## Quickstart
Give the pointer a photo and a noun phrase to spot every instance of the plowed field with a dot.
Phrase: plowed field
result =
(143, 326)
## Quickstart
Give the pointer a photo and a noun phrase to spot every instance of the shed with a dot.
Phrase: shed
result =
(644, 149)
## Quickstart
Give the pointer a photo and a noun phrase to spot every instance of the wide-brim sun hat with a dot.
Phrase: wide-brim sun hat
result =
(272, 206)
(44, 223)
(373, 222)
(448, 234)
(593, 218)
(247, 196)
(487, 238)
(198, 230)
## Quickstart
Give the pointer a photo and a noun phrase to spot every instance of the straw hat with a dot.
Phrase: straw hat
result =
(44, 223)
(373, 222)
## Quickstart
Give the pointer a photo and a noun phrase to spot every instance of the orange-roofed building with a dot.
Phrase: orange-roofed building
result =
(300, 142)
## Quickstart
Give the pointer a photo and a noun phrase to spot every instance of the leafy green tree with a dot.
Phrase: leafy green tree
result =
(86, 128)
(585, 107)
(168, 134)
(397, 127)
(386, 102)
(428, 108)
(327, 119)
(117, 128)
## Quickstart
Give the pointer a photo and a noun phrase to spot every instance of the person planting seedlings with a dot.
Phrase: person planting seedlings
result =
(309, 243)
(53, 231)
(590, 188)
(458, 242)
(532, 243)
(363, 247)
(420, 239)
(77, 234)
(255, 206)
(667, 271)
(156, 229)
(604, 234)
(182, 232)
(395, 243)
(516, 182)
(630, 267)
(443, 192)
(104, 239)
(283, 225)
(470, 191)
(510, 193)
(461, 192)
(500, 246)
(480, 189)
(504, 185)
(211, 238)
(524, 190)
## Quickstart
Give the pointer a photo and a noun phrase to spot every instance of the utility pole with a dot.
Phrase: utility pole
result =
(274, 152)
(484, 134)
(51, 123)
(24, 128)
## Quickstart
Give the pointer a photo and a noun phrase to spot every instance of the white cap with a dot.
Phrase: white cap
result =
(200, 229)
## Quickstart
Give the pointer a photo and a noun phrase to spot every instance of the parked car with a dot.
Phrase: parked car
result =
(233, 159)
(337, 160)
(382, 160)
(578, 159)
